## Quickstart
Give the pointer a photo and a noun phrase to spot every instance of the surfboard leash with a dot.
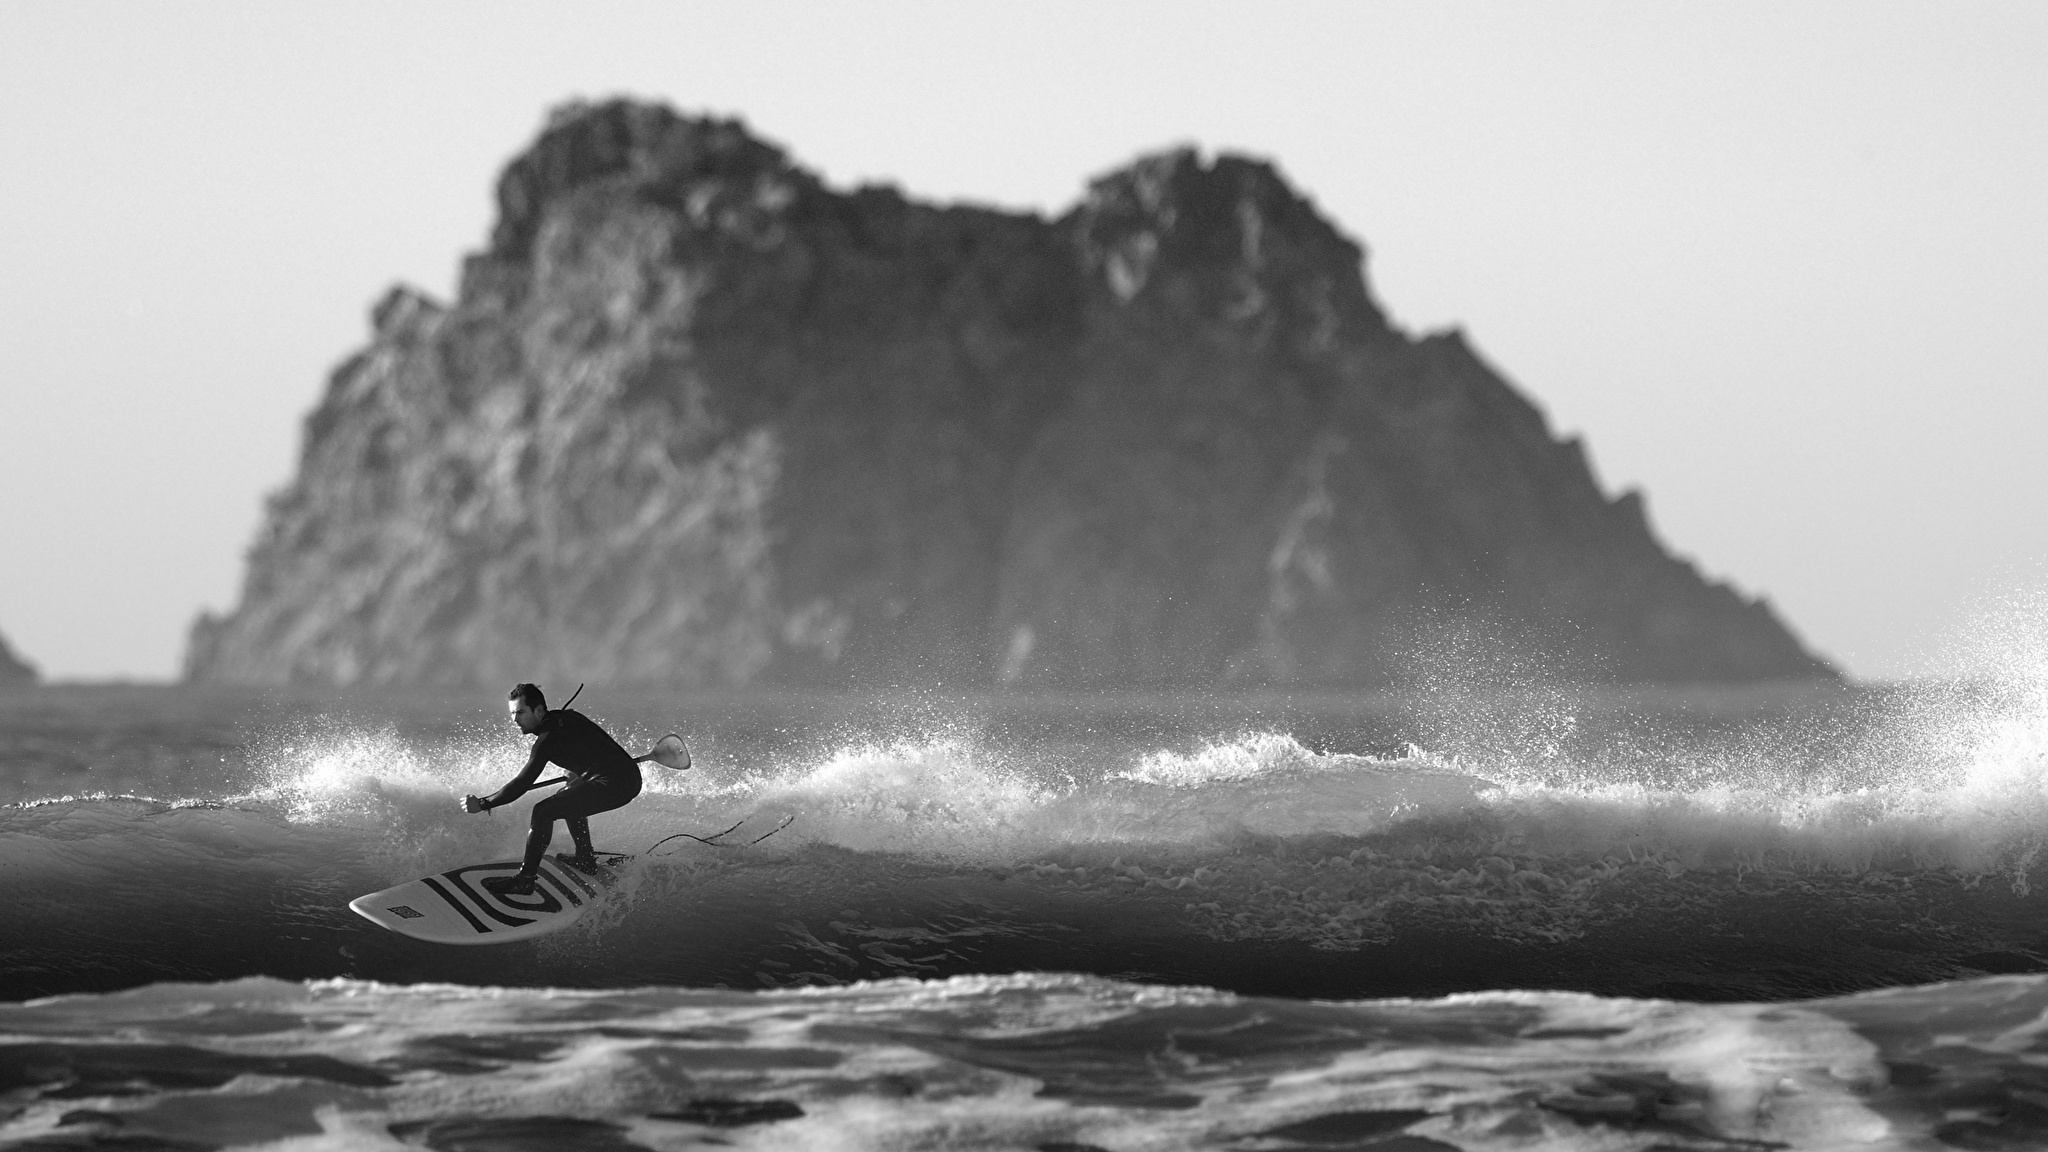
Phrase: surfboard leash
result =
(714, 841)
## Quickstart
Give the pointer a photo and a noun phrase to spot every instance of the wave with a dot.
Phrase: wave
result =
(1251, 861)
(1056, 1063)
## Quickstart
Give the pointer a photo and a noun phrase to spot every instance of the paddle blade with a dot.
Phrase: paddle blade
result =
(669, 752)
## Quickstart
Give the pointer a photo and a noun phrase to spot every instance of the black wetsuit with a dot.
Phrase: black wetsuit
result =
(605, 778)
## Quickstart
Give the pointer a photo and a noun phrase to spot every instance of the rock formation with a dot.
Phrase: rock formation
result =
(696, 418)
(14, 671)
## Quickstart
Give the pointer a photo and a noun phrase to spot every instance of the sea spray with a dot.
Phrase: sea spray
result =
(1279, 849)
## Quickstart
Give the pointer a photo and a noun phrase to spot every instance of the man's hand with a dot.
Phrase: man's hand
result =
(472, 804)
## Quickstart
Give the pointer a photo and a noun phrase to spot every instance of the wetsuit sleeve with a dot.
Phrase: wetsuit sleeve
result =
(518, 785)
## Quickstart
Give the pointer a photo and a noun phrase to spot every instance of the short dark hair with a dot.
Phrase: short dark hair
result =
(529, 695)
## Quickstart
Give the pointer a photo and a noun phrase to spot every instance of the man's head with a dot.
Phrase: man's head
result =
(527, 706)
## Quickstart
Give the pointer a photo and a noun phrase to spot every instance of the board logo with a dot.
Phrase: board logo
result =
(408, 913)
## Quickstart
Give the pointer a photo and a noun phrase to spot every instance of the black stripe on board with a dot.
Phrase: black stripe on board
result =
(456, 904)
(548, 874)
(577, 878)
(456, 878)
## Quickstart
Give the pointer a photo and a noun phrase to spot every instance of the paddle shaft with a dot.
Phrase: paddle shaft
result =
(565, 779)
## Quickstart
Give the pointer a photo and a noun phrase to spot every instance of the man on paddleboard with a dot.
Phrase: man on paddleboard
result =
(602, 776)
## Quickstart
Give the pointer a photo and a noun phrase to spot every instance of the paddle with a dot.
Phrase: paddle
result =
(669, 752)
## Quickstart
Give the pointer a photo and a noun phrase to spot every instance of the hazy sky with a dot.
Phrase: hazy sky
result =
(1783, 265)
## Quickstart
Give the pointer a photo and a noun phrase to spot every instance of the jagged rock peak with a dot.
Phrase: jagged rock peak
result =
(1218, 236)
(14, 671)
(403, 309)
(650, 146)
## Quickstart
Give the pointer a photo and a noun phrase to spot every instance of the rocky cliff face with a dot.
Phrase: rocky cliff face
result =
(14, 671)
(696, 418)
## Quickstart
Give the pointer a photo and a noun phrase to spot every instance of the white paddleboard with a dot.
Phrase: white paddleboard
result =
(454, 907)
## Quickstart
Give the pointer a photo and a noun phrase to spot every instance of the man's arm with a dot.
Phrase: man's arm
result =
(515, 787)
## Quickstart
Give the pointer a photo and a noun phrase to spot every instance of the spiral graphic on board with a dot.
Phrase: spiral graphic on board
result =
(540, 901)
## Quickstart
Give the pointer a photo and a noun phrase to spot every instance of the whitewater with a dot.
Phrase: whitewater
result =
(1465, 917)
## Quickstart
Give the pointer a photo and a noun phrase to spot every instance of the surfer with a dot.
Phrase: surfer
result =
(602, 776)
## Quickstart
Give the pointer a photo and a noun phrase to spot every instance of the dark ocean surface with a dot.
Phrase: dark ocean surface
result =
(1612, 918)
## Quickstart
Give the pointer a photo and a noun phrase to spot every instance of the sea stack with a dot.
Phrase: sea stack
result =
(696, 418)
(15, 672)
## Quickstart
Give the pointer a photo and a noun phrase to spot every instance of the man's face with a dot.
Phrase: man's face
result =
(524, 715)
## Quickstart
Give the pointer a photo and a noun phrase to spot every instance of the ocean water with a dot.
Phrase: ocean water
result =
(1467, 917)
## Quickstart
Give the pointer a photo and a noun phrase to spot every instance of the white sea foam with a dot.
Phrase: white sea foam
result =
(1018, 1061)
(1978, 811)
(940, 797)
(1243, 758)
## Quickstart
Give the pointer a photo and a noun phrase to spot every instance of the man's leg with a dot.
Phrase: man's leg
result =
(537, 843)
(579, 833)
(573, 805)
(537, 837)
